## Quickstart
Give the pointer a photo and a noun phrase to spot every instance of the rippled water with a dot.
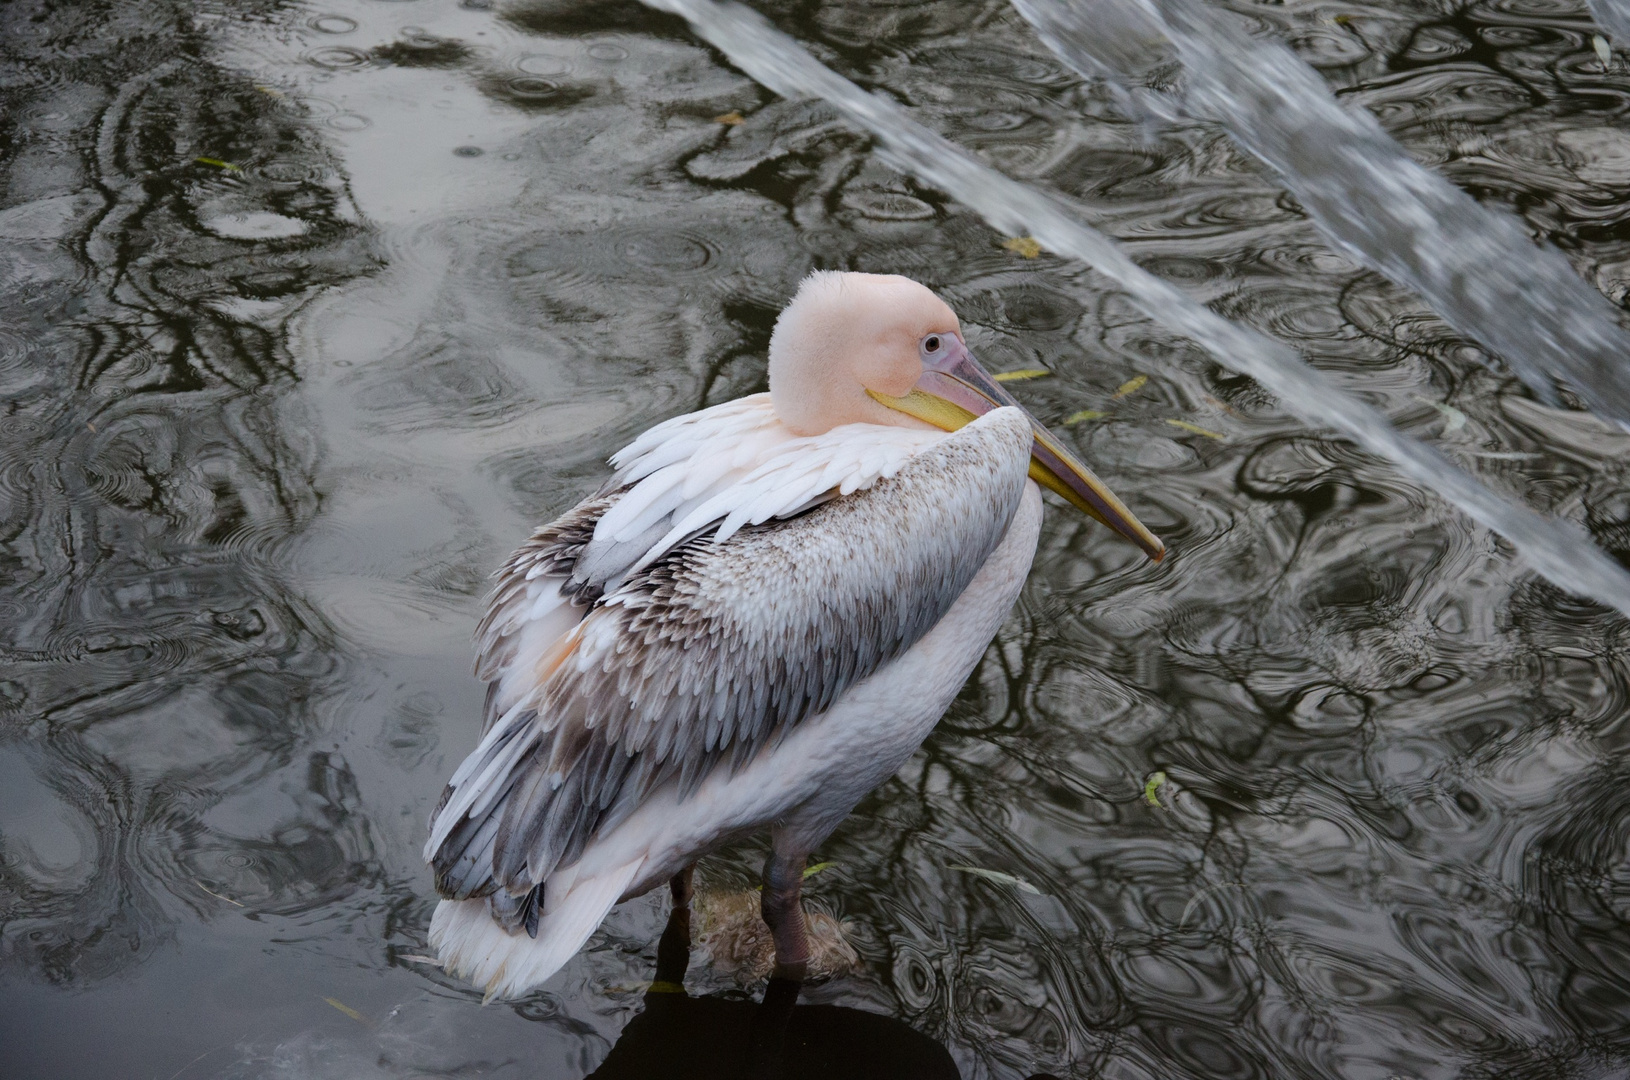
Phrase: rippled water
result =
(310, 311)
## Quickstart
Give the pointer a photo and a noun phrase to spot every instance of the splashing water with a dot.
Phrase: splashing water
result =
(1477, 268)
(1612, 16)
(1552, 548)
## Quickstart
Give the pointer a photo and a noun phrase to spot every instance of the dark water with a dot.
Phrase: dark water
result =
(309, 311)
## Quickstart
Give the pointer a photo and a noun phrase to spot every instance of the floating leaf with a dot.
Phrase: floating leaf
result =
(1000, 878)
(1085, 414)
(219, 164)
(730, 119)
(1023, 245)
(663, 986)
(809, 872)
(1021, 375)
(200, 884)
(1150, 786)
(1223, 405)
(1343, 20)
(271, 91)
(347, 1010)
(1198, 430)
(1604, 51)
(1132, 385)
(414, 958)
(1453, 418)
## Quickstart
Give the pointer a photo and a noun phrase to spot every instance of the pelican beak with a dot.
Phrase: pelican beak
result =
(955, 388)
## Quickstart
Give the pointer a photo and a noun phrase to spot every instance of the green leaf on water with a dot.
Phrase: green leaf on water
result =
(1150, 786)
(1085, 414)
(1021, 374)
(1000, 878)
(1198, 430)
(219, 164)
(811, 871)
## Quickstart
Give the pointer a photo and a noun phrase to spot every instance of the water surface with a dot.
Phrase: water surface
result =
(310, 311)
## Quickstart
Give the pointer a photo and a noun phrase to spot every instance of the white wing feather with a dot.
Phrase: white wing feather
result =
(737, 464)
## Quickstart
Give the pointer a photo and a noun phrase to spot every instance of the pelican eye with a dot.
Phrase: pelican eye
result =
(932, 344)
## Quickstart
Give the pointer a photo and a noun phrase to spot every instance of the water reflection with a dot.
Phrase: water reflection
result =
(265, 428)
(681, 1036)
(161, 674)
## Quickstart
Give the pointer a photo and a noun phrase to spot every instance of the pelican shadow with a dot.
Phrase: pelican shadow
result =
(679, 1037)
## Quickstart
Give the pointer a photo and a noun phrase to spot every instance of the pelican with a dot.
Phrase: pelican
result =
(755, 622)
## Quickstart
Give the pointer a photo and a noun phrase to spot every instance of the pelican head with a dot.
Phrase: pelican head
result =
(882, 349)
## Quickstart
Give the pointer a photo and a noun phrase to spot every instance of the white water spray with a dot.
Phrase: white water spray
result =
(1614, 17)
(1477, 268)
(1555, 549)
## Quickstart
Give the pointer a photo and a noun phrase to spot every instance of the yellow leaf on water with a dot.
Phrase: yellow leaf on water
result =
(1021, 375)
(347, 1010)
(1150, 786)
(730, 119)
(1023, 245)
(270, 92)
(200, 884)
(1085, 414)
(1132, 385)
(1604, 51)
(219, 164)
(1198, 430)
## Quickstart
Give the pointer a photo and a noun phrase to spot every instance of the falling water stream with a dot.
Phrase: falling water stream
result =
(312, 309)
(1614, 17)
(1477, 268)
(1560, 553)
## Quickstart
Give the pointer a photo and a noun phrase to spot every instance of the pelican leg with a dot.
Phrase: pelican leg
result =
(783, 911)
(680, 886)
(673, 948)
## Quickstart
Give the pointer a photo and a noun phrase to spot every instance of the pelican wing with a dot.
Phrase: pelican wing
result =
(708, 652)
